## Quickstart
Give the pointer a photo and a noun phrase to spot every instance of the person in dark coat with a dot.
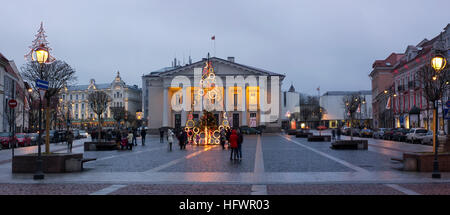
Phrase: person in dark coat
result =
(161, 135)
(135, 136)
(338, 133)
(143, 134)
(333, 134)
(240, 140)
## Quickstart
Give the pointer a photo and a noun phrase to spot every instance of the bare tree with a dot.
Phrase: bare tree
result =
(118, 114)
(351, 104)
(98, 101)
(58, 74)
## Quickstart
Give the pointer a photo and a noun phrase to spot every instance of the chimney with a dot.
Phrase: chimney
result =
(231, 59)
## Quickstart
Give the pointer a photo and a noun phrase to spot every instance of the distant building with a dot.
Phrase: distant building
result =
(121, 95)
(290, 107)
(334, 111)
(382, 77)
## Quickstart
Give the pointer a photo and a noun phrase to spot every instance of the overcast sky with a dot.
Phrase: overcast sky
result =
(331, 44)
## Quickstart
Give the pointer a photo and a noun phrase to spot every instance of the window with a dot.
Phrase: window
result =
(82, 106)
(71, 97)
(76, 97)
(284, 94)
(82, 96)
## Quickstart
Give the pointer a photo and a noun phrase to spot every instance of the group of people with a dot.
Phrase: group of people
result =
(128, 139)
(235, 139)
(336, 134)
(232, 137)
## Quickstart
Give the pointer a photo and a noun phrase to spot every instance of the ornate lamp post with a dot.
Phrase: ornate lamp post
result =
(40, 53)
(438, 62)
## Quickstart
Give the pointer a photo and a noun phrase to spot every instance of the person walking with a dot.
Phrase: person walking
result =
(130, 140)
(240, 140)
(233, 144)
(69, 141)
(134, 136)
(170, 138)
(222, 139)
(333, 134)
(143, 134)
(161, 135)
(119, 139)
(338, 133)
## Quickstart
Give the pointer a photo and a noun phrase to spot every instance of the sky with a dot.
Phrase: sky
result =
(327, 44)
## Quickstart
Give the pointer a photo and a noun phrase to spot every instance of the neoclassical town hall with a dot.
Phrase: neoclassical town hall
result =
(250, 103)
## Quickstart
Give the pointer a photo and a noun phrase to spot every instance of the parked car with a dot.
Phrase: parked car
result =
(6, 138)
(366, 133)
(355, 132)
(249, 130)
(400, 134)
(388, 134)
(33, 138)
(414, 134)
(428, 138)
(83, 134)
(23, 140)
(379, 133)
(345, 130)
(51, 136)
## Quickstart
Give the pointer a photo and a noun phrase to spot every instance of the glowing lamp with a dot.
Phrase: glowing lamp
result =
(40, 54)
(438, 63)
(385, 91)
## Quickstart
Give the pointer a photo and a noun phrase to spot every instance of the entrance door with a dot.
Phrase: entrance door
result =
(177, 121)
(235, 120)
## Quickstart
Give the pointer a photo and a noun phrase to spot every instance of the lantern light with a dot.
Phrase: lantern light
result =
(438, 63)
(40, 54)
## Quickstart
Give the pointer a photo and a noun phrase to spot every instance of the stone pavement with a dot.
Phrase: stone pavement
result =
(272, 164)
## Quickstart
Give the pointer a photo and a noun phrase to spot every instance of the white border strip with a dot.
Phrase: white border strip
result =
(402, 189)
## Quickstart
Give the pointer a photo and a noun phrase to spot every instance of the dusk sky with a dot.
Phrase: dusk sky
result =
(331, 44)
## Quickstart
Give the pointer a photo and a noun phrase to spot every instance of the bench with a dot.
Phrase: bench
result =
(350, 144)
(84, 160)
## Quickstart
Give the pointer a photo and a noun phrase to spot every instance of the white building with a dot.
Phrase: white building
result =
(121, 95)
(334, 108)
(290, 107)
(243, 104)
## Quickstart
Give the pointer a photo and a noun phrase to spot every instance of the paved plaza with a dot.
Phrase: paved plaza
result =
(272, 164)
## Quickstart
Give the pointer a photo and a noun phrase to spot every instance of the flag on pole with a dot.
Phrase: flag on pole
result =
(388, 103)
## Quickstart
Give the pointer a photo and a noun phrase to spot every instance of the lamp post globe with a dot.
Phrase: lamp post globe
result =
(438, 63)
(40, 54)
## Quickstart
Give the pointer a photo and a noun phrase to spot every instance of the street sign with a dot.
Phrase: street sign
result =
(42, 84)
(12, 103)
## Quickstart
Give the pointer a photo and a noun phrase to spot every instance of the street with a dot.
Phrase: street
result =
(272, 164)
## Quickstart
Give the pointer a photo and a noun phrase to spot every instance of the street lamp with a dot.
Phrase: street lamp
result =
(438, 62)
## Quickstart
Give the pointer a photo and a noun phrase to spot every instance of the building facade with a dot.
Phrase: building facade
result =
(171, 95)
(334, 111)
(75, 99)
(404, 96)
(12, 87)
(290, 108)
(382, 79)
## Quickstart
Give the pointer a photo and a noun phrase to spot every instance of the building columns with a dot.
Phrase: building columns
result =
(244, 106)
(165, 107)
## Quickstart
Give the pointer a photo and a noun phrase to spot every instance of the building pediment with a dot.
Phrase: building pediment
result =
(221, 67)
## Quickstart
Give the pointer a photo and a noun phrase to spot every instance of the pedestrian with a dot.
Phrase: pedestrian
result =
(69, 141)
(233, 144)
(161, 135)
(338, 133)
(170, 138)
(182, 140)
(197, 139)
(119, 139)
(222, 139)
(240, 140)
(186, 139)
(333, 134)
(135, 136)
(143, 134)
(130, 140)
